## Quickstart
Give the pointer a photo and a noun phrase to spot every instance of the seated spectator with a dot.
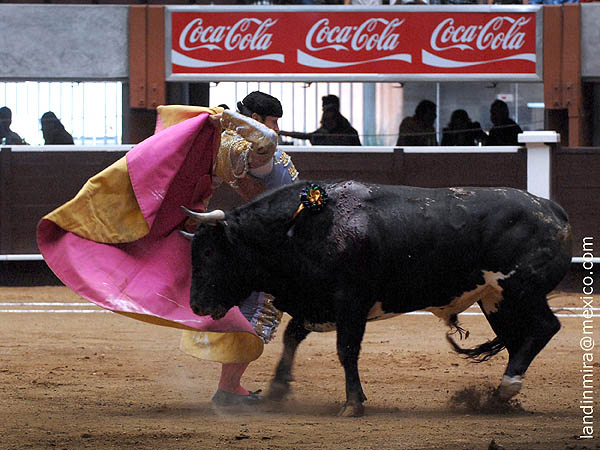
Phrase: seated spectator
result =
(418, 129)
(53, 130)
(505, 130)
(334, 130)
(462, 131)
(7, 136)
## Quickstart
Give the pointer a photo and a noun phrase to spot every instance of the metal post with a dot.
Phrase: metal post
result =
(369, 114)
(538, 145)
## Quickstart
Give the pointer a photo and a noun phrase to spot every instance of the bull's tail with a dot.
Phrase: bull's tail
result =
(480, 353)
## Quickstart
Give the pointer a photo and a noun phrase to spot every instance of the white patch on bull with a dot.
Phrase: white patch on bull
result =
(509, 387)
(377, 313)
(490, 294)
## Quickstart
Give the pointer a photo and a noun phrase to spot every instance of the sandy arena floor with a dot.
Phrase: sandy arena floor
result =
(102, 381)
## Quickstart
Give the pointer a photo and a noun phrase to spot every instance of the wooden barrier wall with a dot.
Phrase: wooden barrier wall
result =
(576, 187)
(32, 183)
(426, 169)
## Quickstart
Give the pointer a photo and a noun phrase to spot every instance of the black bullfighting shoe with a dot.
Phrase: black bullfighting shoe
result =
(224, 398)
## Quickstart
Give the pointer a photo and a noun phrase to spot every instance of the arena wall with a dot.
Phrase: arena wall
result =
(34, 181)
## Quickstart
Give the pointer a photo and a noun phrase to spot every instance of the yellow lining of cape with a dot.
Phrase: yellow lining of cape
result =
(234, 347)
(105, 209)
(225, 347)
(173, 114)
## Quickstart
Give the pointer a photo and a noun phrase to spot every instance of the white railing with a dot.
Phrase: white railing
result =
(69, 148)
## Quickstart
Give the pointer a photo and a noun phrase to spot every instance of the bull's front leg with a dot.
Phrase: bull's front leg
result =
(350, 331)
(294, 334)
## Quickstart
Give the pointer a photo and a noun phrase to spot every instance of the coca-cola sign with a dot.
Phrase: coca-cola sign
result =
(346, 43)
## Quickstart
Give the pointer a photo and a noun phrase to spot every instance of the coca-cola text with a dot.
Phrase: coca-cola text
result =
(361, 37)
(239, 36)
(490, 36)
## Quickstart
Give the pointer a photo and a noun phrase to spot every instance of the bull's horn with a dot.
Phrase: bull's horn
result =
(187, 235)
(211, 217)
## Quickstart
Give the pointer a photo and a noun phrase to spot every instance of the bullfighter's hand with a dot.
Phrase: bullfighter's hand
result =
(263, 139)
(215, 121)
(260, 159)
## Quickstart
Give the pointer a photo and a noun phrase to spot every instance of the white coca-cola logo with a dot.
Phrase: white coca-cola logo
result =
(245, 34)
(364, 37)
(501, 32)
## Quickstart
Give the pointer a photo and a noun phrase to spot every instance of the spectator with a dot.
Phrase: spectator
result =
(462, 131)
(7, 136)
(418, 129)
(53, 130)
(334, 130)
(505, 130)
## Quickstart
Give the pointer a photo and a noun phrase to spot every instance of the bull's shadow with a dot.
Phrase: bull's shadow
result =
(468, 401)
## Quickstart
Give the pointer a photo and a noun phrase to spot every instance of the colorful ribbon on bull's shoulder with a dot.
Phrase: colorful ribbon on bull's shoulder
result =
(313, 197)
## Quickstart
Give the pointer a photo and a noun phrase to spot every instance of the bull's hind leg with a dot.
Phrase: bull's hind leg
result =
(350, 333)
(294, 334)
(524, 327)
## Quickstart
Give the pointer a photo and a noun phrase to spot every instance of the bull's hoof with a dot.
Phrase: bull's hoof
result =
(278, 391)
(509, 387)
(352, 410)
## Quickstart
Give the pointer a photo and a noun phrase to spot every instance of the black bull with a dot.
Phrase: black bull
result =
(377, 250)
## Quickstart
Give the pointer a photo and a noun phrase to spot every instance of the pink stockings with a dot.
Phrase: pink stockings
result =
(231, 374)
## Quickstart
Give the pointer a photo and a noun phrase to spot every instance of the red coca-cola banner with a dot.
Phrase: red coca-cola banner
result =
(347, 43)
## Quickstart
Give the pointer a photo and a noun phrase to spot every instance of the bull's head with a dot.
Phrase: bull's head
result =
(219, 278)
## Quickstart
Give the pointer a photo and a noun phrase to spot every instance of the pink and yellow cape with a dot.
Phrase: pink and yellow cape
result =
(117, 242)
